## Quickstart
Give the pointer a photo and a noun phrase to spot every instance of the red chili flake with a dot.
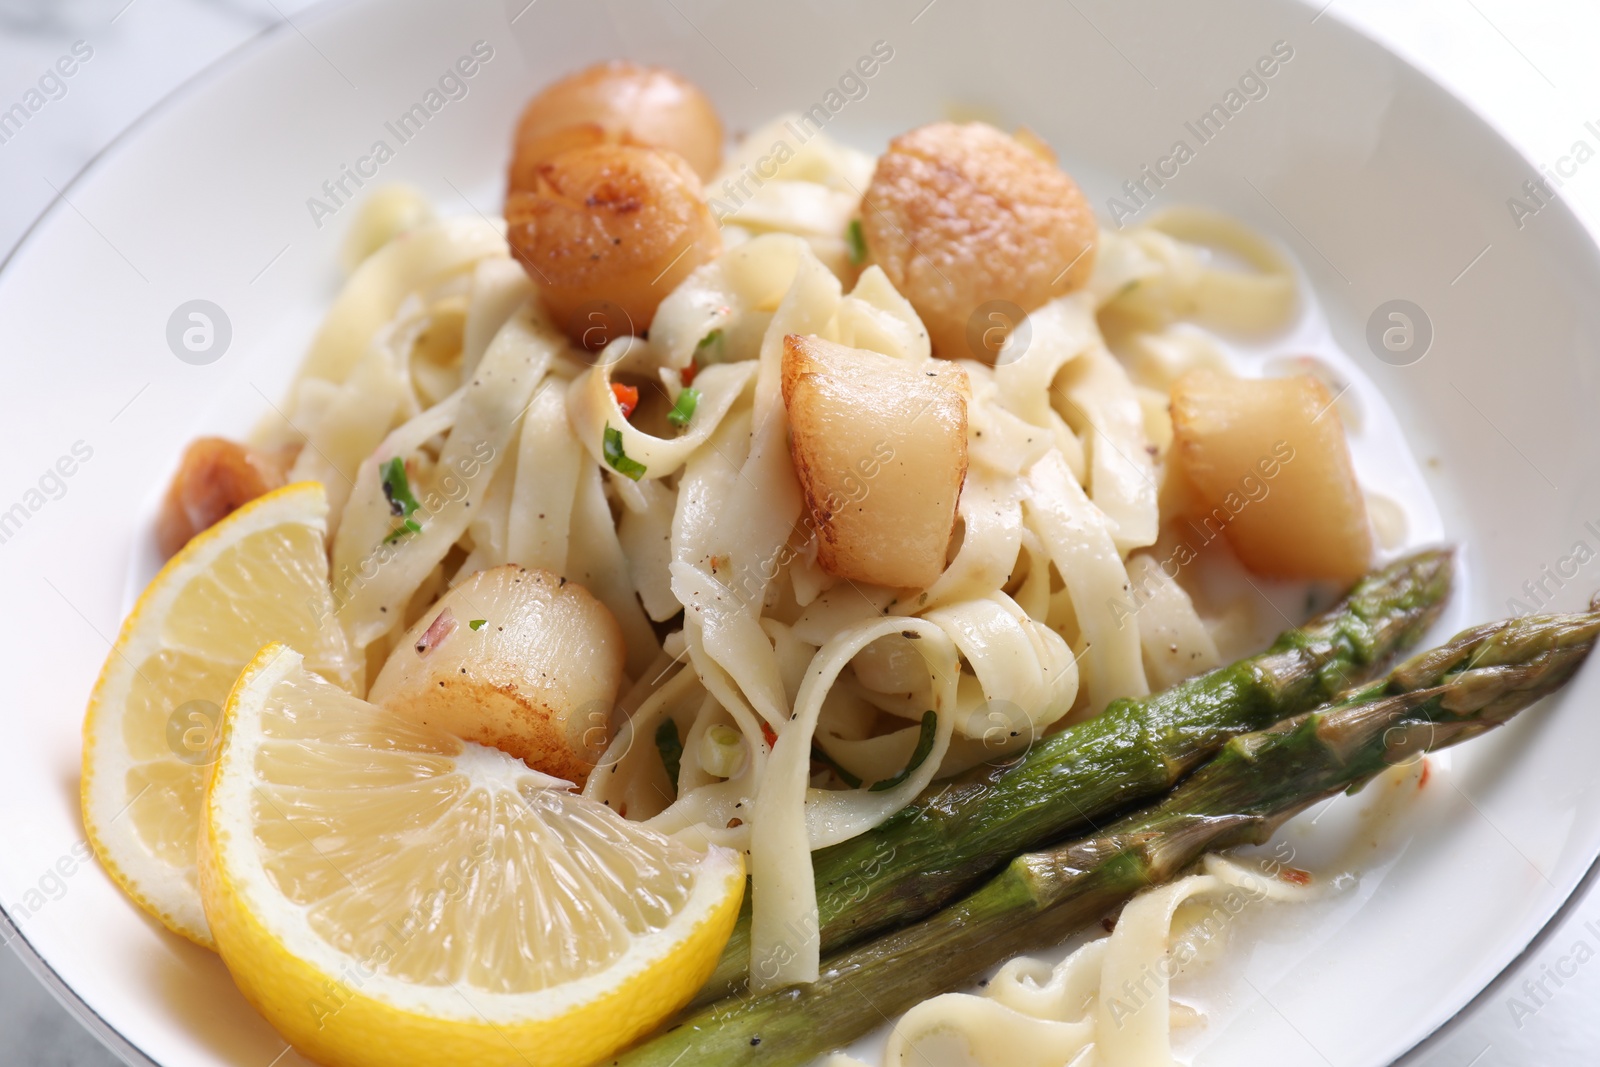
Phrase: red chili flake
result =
(1427, 769)
(1295, 876)
(766, 732)
(627, 397)
(688, 373)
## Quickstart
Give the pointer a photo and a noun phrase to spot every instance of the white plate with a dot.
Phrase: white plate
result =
(1383, 186)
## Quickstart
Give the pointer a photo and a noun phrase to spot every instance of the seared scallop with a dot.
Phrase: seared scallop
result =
(520, 659)
(970, 224)
(605, 232)
(215, 477)
(880, 447)
(1271, 468)
(618, 102)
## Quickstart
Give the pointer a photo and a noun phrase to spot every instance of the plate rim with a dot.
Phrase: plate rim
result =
(12, 936)
(122, 1046)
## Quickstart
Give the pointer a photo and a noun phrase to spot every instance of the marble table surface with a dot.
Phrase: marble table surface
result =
(1525, 65)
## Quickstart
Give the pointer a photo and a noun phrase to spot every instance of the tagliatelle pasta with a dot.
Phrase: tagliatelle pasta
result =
(1169, 269)
(1108, 1003)
(413, 263)
(593, 409)
(490, 406)
(784, 178)
(657, 473)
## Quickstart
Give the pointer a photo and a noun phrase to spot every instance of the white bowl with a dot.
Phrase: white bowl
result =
(1383, 186)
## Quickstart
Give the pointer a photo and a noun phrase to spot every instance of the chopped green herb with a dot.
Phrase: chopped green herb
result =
(402, 502)
(822, 757)
(477, 624)
(683, 410)
(930, 721)
(671, 749)
(722, 751)
(709, 350)
(858, 243)
(617, 458)
(397, 488)
(410, 526)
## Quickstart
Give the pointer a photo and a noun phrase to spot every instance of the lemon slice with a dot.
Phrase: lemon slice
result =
(388, 894)
(259, 575)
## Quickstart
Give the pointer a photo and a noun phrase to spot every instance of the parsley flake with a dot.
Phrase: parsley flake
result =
(402, 502)
(617, 458)
(820, 755)
(709, 350)
(671, 749)
(683, 409)
(858, 243)
(930, 720)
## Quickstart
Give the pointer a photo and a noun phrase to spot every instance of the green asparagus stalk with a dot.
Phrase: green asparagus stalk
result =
(1241, 796)
(960, 831)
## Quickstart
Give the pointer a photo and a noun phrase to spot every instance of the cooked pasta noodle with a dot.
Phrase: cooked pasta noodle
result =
(520, 447)
(1108, 1004)
(808, 186)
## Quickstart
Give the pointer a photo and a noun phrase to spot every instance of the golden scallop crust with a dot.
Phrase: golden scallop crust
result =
(618, 102)
(609, 230)
(960, 215)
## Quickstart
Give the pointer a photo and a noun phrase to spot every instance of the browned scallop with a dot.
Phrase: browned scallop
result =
(960, 215)
(618, 103)
(606, 232)
(880, 448)
(1271, 470)
(520, 659)
(215, 477)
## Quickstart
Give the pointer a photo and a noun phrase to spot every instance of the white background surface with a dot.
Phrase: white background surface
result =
(1526, 65)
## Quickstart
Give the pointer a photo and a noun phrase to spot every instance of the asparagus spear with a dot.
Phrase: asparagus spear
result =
(1251, 787)
(960, 831)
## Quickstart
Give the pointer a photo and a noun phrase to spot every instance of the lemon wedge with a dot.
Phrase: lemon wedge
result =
(259, 575)
(387, 894)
